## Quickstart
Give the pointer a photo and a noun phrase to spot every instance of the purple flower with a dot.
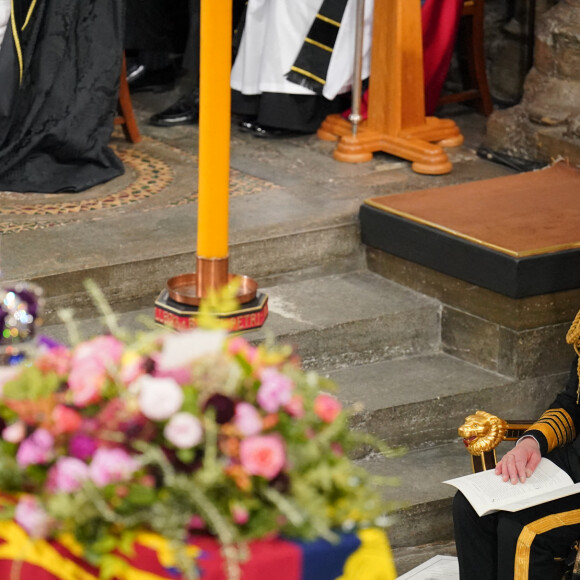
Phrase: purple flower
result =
(275, 390)
(38, 448)
(222, 406)
(112, 466)
(82, 446)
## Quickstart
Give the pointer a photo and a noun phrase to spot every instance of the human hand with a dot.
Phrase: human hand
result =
(520, 462)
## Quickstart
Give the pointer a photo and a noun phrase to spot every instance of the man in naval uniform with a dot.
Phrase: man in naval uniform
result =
(523, 545)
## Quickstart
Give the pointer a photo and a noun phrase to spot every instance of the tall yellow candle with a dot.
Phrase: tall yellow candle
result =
(214, 128)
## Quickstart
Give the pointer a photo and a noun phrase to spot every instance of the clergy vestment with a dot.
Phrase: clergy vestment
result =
(60, 65)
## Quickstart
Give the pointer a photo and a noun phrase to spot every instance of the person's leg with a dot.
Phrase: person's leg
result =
(185, 111)
(531, 539)
(152, 34)
(476, 541)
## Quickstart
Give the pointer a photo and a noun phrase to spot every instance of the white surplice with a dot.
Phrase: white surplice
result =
(273, 35)
(5, 6)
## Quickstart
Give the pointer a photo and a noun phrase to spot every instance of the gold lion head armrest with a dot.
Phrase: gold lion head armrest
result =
(482, 432)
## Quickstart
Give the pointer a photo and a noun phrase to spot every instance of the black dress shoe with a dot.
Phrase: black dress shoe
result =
(265, 132)
(247, 125)
(251, 126)
(141, 79)
(185, 111)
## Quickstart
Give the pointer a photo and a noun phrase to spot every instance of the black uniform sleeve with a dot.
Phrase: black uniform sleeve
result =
(559, 424)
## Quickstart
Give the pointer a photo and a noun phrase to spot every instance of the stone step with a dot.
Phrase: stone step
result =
(421, 511)
(135, 265)
(420, 401)
(350, 319)
(415, 401)
(333, 321)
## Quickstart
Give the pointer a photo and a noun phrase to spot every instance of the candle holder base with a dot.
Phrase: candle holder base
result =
(178, 316)
(184, 288)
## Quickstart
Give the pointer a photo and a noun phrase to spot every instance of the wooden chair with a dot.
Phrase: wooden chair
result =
(472, 39)
(126, 116)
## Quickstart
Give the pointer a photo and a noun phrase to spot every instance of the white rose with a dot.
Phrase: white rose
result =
(183, 430)
(159, 398)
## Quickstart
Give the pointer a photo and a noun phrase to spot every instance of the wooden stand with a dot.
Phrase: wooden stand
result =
(396, 117)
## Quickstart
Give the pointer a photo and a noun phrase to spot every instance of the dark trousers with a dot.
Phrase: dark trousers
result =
(502, 545)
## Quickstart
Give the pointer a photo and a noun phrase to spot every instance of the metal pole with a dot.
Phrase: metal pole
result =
(355, 117)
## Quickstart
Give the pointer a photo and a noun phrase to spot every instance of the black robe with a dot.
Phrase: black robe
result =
(59, 82)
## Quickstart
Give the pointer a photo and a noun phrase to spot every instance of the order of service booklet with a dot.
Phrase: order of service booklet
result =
(488, 492)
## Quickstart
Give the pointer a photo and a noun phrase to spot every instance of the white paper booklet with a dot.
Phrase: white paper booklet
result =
(437, 568)
(487, 492)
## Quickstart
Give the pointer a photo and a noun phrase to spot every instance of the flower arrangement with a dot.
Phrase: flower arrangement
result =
(197, 432)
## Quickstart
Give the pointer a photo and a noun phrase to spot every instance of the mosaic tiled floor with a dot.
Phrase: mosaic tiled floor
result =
(156, 175)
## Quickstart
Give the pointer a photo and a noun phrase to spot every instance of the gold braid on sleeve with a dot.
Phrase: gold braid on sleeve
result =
(573, 338)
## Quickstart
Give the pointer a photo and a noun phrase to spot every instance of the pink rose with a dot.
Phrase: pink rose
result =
(68, 474)
(295, 406)
(30, 515)
(196, 523)
(240, 346)
(183, 430)
(247, 419)
(56, 359)
(86, 381)
(263, 455)
(159, 398)
(327, 407)
(112, 466)
(14, 433)
(105, 350)
(275, 390)
(237, 345)
(181, 376)
(90, 364)
(36, 449)
(66, 420)
(240, 514)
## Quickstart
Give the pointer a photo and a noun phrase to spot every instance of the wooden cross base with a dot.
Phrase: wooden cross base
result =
(396, 105)
(411, 144)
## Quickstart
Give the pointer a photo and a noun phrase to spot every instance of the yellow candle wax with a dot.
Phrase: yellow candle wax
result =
(214, 128)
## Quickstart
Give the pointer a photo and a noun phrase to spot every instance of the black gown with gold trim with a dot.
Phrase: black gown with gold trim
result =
(60, 67)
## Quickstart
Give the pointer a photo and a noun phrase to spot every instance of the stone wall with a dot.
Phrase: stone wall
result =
(508, 49)
(545, 125)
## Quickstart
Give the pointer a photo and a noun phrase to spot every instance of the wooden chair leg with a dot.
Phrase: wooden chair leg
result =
(478, 59)
(472, 34)
(126, 117)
